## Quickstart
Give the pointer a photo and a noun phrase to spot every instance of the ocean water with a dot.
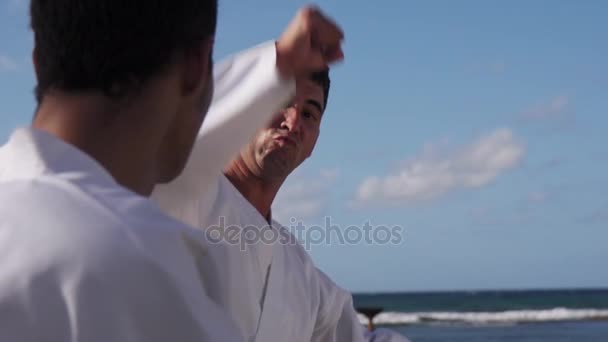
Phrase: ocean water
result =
(500, 316)
(586, 331)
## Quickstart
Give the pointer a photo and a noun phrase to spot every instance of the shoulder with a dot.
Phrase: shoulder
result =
(185, 201)
(64, 251)
(58, 220)
(326, 287)
(335, 298)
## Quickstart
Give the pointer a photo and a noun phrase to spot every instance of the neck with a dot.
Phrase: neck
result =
(105, 131)
(258, 191)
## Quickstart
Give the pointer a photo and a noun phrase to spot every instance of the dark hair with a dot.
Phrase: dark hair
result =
(322, 79)
(113, 45)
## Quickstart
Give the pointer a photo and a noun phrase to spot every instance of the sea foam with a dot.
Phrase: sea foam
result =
(483, 318)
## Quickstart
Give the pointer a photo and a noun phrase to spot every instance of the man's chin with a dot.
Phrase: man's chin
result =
(278, 164)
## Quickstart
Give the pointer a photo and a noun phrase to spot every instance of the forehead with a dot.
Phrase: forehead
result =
(309, 90)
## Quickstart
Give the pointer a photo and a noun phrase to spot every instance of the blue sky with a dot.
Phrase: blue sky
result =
(477, 126)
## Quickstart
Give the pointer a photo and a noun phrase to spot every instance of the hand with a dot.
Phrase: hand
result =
(310, 43)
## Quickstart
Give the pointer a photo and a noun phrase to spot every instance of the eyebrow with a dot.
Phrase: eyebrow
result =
(316, 104)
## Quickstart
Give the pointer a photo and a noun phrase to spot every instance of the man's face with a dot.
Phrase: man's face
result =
(290, 138)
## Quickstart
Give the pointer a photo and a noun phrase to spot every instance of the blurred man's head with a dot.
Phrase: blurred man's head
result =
(151, 60)
(281, 146)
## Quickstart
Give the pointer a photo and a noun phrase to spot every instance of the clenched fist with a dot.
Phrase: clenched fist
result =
(310, 43)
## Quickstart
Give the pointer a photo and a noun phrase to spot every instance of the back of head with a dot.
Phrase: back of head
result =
(113, 46)
(150, 61)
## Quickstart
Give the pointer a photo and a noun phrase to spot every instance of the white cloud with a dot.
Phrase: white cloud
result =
(7, 64)
(556, 108)
(432, 173)
(304, 197)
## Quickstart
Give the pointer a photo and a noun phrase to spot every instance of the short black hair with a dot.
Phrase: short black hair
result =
(97, 45)
(322, 79)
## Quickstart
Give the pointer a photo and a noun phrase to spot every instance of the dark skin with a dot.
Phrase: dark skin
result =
(143, 139)
(279, 148)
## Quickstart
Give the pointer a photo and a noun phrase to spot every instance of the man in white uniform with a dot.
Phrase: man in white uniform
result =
(272, 288)
(122, 90)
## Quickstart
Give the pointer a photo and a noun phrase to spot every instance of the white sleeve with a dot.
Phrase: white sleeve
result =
(337, 320)
(126, 301)
(248, 91)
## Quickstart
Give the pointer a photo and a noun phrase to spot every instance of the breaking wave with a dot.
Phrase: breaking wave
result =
(489, 318)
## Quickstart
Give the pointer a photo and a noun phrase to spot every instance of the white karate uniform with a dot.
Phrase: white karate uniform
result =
(274, 291)
(84, 259)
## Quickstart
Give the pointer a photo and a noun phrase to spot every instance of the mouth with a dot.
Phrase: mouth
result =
(286, 140)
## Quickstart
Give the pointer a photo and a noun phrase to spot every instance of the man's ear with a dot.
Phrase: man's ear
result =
(197, 65)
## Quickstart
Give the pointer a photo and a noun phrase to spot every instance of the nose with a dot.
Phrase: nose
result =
(291, 120)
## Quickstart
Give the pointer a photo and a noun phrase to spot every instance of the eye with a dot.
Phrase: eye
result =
(309, 115)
